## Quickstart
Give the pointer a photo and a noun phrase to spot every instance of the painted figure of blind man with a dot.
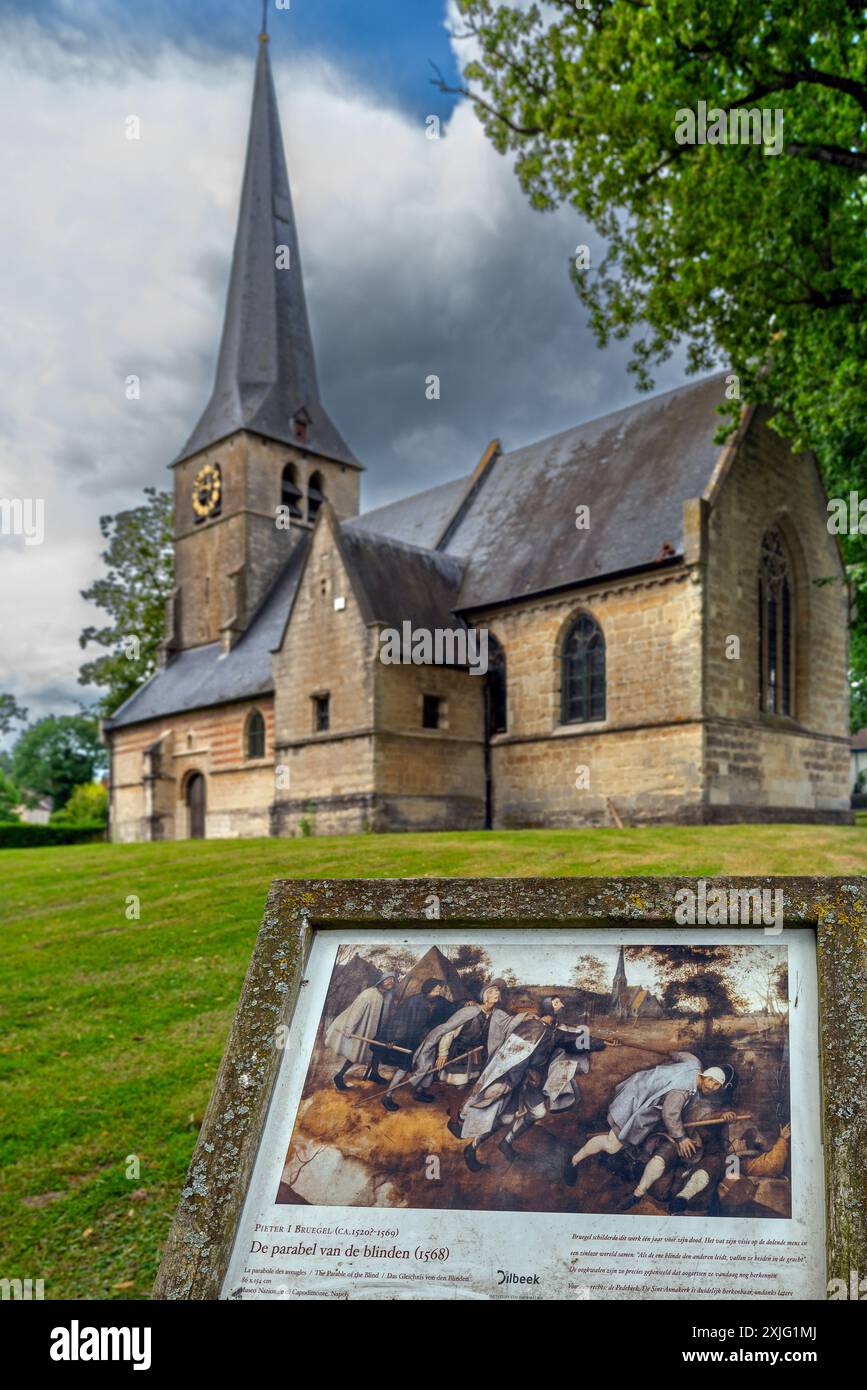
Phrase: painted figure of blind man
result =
(644, 1104)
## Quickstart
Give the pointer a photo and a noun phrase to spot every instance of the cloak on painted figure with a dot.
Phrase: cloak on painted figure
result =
(635, 1111)
(528, 1072)
(469, 1027)
(366, 1015)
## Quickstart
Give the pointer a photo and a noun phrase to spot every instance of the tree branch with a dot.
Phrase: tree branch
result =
(440, 82)
(830, 154)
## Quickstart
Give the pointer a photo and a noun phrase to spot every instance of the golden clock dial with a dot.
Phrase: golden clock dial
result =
(207, 490)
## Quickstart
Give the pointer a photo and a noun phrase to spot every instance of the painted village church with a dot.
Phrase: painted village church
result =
(681, 658)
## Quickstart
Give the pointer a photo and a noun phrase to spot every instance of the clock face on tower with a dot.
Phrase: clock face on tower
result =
(207, 491)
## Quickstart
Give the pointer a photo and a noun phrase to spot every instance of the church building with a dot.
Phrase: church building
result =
(660, 622)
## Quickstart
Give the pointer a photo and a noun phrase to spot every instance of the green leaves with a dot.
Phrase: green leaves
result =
(10, 711)
(57, 754)
(133, 593)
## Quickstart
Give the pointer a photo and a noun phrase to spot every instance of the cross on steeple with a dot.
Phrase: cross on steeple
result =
(264, 30)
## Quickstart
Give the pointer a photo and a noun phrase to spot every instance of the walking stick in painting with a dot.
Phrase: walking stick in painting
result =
(377, 1042)
(448, 1061)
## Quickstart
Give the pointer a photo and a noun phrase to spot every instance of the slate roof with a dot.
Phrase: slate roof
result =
(203, 676)
(395, 582)
(266, 371)
(419, 519)
(634, 469)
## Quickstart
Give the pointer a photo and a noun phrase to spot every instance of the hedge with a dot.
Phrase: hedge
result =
(18, 835)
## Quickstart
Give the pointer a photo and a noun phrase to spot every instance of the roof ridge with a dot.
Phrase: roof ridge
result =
(642, 404)
(397, 501)
(429, 552)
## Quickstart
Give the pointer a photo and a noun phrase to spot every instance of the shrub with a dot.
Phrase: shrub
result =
(17, 835)
(88, 805)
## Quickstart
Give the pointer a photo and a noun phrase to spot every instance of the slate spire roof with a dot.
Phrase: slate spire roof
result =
(266, 371)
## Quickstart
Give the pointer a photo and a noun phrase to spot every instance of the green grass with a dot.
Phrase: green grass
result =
(112, 1029)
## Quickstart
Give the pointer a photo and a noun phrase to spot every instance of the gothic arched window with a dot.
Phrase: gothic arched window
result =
(776, 626)
(495, 688)
(290, 492)
(582, 685)
(255, 740)
(315, 495)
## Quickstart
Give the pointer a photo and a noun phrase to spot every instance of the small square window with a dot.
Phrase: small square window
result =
(321, 713)
(431, 709)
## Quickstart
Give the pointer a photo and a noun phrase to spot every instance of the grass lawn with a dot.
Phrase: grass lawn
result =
(112, 1029)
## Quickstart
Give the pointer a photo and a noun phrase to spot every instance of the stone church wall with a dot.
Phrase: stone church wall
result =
(327, 650)
(429, 778)
(646, 755)
(762, 766)
(649, 774)
(245, 535)
(148, 788)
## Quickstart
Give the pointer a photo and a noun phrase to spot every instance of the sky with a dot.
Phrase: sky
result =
(419, 257)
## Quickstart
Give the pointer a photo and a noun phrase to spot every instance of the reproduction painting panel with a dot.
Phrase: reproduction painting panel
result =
(546, 1113)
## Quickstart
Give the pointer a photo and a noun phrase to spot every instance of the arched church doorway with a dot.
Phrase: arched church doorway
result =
(196, 805)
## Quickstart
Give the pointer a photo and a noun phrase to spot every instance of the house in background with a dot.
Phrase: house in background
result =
(663, 638)
(37, 814)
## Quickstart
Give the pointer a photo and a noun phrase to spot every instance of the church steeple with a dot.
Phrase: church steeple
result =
(252, 477)
(266, 371)
(619, 982)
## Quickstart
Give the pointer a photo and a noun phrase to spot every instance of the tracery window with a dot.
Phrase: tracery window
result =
(776, 626)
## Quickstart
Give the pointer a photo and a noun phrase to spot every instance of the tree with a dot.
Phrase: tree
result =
(472, 963)
(699, 981)
(88, 805)
(588, 973)
(10, 711)
(10, 797)
(748, 257)
(134, 592)
(776, 988)
(57, 754)
(397, 958)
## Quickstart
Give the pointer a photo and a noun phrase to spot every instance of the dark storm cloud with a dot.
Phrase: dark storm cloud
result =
(505, 332)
